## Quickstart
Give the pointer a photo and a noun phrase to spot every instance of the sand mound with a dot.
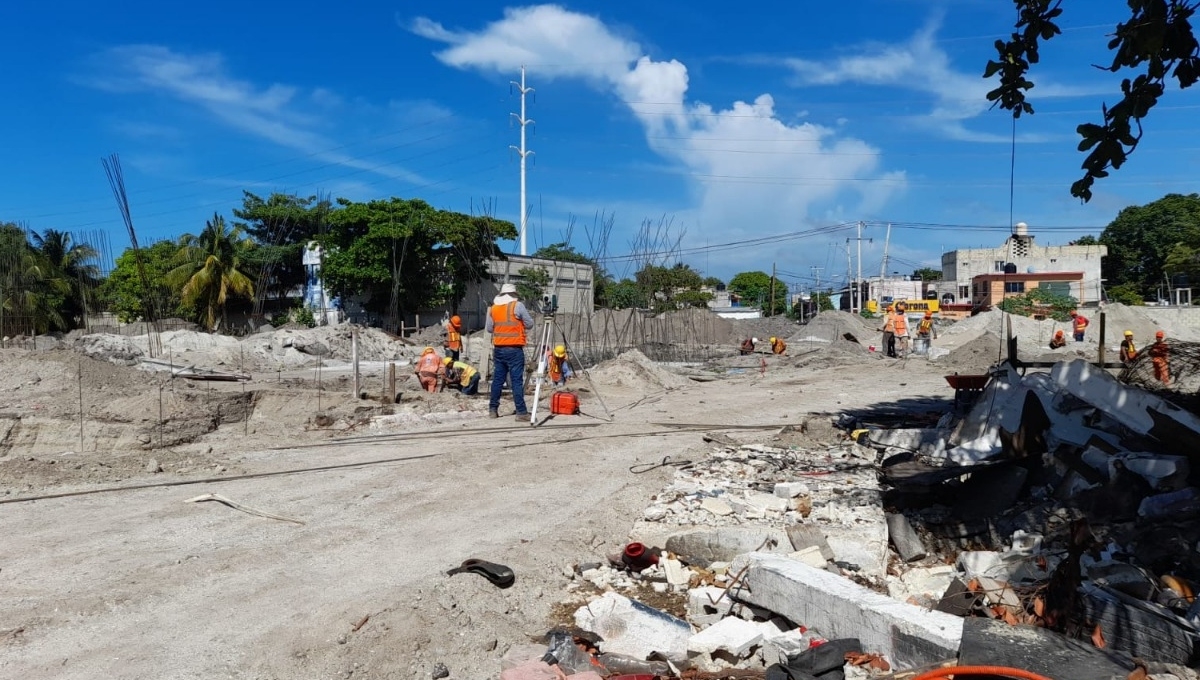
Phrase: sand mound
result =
(633, 369)
(834, 325)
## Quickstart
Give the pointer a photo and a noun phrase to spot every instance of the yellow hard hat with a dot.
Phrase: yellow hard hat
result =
(772, 341)
(448, 360)
(1129, 334)
(427, 350)
(560, 351)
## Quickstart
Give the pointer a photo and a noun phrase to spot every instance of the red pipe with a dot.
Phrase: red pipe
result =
(956, 671)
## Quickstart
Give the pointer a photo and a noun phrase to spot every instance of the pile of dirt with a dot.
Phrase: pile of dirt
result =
(834, 325)
(775, 326)
(633, 369)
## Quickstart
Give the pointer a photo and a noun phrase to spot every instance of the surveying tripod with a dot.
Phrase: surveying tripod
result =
(549, 307)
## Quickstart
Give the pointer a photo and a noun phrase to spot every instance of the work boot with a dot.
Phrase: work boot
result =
(523, 417)
(493, 413)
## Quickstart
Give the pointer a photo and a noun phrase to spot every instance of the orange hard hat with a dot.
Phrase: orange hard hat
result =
(1058, 333)
(1073, 312)
(455, 320)
(1160, 335)
(928, 315)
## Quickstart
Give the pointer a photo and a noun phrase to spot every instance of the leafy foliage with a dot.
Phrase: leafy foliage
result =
(406, 250)
(1158, 39)
(676, 287)
(123, 292)
(928, 274)
(755, 288)
(208, 271)
(1088, 240)
(532, 284)
(1126, 294)
(1040, 301)
(625, 294)
(74, 267)
(47, 281)
(281, 225)
(1141, 239)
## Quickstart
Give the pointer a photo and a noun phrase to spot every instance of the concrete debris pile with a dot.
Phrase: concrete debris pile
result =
(1065, 500)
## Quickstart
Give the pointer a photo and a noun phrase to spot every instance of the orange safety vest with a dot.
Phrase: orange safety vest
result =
(1081, 323)
(555, 367)
(453, 337)
(900, 325)
(507, 329)
(1159, 351)
(779, 347)
(429, 364)
(925, 327)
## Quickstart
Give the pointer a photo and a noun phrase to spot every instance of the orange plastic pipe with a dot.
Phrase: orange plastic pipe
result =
(957, 671)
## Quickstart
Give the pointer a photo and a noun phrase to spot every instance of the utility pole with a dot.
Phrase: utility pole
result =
(771, 302)
(858, 279)
(522, 152)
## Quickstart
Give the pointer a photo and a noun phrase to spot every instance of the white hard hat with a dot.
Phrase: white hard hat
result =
(508, 288)
(753, 339)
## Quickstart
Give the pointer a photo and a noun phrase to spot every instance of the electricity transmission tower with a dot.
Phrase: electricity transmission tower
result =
(522, 152)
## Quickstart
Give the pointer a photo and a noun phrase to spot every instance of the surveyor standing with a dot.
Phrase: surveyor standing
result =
(1160, 356)
(778, 346)
(453, 343)
(889, 333)
(461, 376)
(1059, 340)
(507, 321)
(1079, 323)
(900, 329)
(558, 367)
(1128, 350)
(429, 369)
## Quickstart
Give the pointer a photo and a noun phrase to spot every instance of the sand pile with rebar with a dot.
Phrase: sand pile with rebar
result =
(632, 369)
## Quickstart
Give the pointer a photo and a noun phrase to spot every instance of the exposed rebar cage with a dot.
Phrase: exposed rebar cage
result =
(1181, 369)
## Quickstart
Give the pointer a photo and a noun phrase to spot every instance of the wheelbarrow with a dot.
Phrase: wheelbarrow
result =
(967, 388)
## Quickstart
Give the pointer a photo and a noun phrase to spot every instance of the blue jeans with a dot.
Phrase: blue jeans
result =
(508, 363)
(472, 386)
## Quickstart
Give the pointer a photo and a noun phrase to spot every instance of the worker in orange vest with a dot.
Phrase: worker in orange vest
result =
(453, 342)
(900, 329)
(778, 346)
(558, 367)
(429, 369)
(1160, 358)
(507, 321)
(1059, 340)
(1079, 324)
(889, 332)
(1128, 349)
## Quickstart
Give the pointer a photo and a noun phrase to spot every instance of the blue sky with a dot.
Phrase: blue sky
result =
(707, 121)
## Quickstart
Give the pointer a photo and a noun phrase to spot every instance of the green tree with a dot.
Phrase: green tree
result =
(208, 271)
(675, 287)
(755, 290)
(928, 274)
(30, 290)
(625, 294)
(75, 266)
(1040, 300)
(407, 253)
(1141, 237)
(532, 284)
(713, 282)
(123, 293)
(1088, 240)
(1126, 294)
(281, 225)
(1157, 41)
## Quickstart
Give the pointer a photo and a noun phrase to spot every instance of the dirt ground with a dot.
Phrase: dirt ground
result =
(124, 579)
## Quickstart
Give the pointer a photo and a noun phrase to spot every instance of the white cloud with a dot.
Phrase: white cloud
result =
(920, 64)
(272, 112)
(749, 169)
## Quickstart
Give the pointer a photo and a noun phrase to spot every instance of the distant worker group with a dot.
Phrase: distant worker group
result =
(1159, 353)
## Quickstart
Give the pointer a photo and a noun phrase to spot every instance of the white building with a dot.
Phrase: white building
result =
(959, 267)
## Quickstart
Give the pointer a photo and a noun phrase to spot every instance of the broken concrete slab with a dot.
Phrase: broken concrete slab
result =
(708, 604)
(926, 441)
(702, 547)
(988, 642)
(731, 634)
(634, 629)
(907, 635)
(676, 574)
(811, 556)
(767, 502)
(864, 545)
(716, 506)
(790, 489)
(1142, 629)
(1138, 410)
(904, 538)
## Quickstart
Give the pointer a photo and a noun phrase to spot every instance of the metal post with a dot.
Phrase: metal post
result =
(771, 304)
(1100, 354)
(522, 152)
(354, 358)
(858, 278)
(390, 397)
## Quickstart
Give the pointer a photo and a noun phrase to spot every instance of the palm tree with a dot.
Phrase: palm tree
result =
(74, 265)
(29, 290)
(208, 270)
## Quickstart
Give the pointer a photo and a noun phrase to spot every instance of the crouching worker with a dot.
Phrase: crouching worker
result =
(429, 369)
(1058, 341)
(557, 366)
(778, 346)
(747, 347)
(461, 376)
